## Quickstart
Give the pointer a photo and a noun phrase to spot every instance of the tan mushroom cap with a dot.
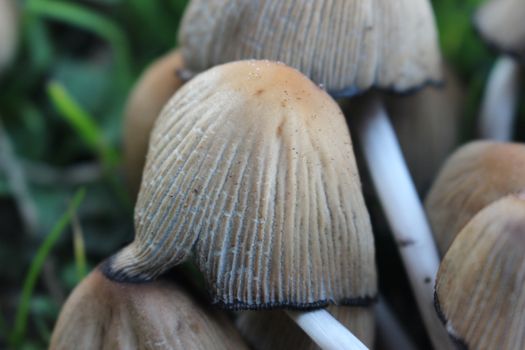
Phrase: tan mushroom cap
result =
(274, 330)
(251, 170)
(431, 118)
(501, 23)
(8, 32)
(473, 177)
(155, 87)
(102, 314)
(346, 45)
(481, 282)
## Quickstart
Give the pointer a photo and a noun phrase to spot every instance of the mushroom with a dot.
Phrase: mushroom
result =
(8, 32)
(479, 289)
(473, 177)
(251, 170)
(391, 46)
(154, 88)
(103, 314)
(500, 23)
(273, 330)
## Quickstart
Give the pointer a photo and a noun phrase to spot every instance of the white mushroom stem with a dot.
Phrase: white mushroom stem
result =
(390, 331)
(326, 331)
(403, 210)
(498, 108)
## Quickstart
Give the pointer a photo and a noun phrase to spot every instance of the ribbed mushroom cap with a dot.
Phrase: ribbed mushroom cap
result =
(501, 24)
(274, 330)
(8, 32)
(481, 282)
(431, 118)
(251, 169)
(102, 314)
(473, 177)
(348, 46)
(154, 88)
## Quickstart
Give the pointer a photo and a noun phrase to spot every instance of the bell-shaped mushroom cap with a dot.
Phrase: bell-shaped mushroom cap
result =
(8, 32)
(480, 288)
(501, 24)
(346, 45)
(102, 314)
(155, 87)
(274, 330)
(432, 118)
(251, 169)
(473, 177)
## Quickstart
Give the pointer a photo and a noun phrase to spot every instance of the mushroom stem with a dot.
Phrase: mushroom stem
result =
(403, 210)
(391, 333)
(325, 330)
(498, 108)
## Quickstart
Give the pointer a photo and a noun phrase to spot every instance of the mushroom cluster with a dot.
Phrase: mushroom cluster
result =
(476, 207)
(242, 164)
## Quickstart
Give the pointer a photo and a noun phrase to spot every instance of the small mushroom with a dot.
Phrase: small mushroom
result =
(8, 32)
(154, 88)
(481, 282)
(500, 23)
(103, 314)
(251, 170)
(391, 46)
(273, 330)
(473, 177)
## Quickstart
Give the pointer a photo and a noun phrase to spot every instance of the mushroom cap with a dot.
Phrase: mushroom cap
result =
(348, 46)
(102, 314)
(272, 330)
(8, 32)
(473, 177)
(481, 282)
(501, 24)
(251, 169)
(432, 118)
(154, 88)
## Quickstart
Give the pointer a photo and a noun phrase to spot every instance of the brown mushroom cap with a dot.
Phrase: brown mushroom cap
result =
(501, 24)
(348, 46)
(273, 330)
(102, 314)
(154, 88)
(481, 282)
(8, 32)
(251, 169)
(431, 118)
(473, 177)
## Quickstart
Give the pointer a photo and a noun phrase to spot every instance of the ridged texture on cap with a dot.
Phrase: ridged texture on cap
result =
(480, 287)
(274, 330)
(473, 177)
(348, 46)
(102, 314)
(251, 169)
(8, 32)
(153, 90)
(501, 24)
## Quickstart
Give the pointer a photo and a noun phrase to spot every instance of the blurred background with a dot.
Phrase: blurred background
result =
(63, 201)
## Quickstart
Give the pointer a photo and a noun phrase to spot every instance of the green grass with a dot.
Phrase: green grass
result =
(35, 268)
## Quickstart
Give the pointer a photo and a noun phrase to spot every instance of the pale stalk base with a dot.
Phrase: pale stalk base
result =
(403, 211)
(498, 108)
(326, 331)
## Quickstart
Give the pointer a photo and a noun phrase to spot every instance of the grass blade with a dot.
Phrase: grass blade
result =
(36, 267)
